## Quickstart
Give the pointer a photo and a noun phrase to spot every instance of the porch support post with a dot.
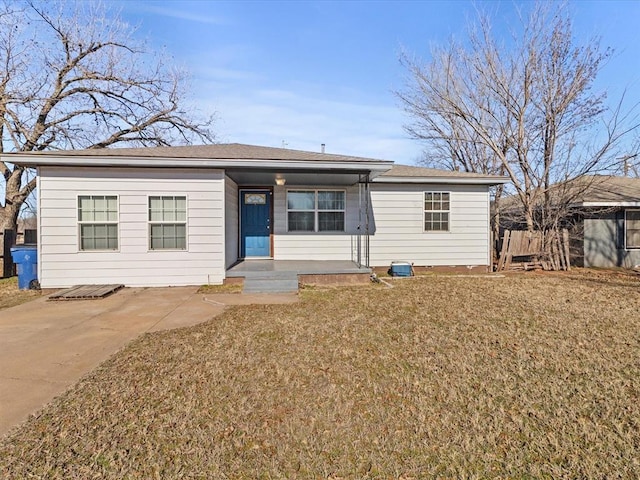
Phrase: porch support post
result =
(367, 210)
(359, 236)
(364, 220)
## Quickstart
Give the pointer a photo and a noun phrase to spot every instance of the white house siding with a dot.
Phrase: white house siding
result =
(62, 264)
(230, 222)
(399, 221)
(314, 246)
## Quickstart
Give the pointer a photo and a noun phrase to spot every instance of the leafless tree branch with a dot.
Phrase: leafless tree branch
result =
(72, 75)
(523, 108)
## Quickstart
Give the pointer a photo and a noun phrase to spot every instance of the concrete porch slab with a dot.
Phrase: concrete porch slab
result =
(276, 276)
(272, 268)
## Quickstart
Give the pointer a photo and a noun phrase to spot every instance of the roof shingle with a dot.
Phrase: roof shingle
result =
(410, 171)
(219, 151)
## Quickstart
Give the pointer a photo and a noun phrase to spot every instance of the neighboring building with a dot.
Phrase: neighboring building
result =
(610, 221)
(602, 214)
(185, 215)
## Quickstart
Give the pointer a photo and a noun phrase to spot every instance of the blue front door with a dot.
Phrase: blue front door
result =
(255, 223)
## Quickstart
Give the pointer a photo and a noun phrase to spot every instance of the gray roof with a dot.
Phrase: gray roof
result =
(236, 156)
(219, 151)
(412, 171)
(605, 189)
(408, 173)
(586, 191)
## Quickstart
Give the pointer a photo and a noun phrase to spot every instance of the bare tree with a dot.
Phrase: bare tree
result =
(523, 108)
(72, 76)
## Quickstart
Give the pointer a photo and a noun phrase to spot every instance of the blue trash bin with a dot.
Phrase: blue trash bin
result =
(26, 259)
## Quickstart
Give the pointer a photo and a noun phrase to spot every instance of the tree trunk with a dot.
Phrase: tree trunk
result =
(496, 223)
(15, 195)
(529, 219)
(9, 218)
(496, 238)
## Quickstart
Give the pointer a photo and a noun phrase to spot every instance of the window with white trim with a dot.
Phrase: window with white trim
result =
(316, 210)
(436, 211)
(98, 222)
(168, 223)
(632, 228)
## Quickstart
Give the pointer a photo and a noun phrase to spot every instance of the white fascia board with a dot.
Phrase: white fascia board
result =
(168, 162)
(445, 180)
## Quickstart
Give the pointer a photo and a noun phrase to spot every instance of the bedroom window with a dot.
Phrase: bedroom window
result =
(316, 210)
(436, 211)
(98, 222)
(632, 228)
(167, 223)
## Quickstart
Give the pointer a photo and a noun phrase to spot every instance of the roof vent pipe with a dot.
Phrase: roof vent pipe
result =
(322, 148)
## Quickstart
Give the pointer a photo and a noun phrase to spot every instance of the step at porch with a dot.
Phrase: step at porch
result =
(271, 284)
(281, 276)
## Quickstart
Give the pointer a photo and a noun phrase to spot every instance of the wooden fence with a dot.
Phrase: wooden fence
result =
(9, 238)
(524, 250)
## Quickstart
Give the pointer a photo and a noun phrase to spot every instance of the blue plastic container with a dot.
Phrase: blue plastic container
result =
(26, 259)
(400, 269)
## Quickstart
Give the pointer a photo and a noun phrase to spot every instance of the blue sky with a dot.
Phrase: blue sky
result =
(306, 73)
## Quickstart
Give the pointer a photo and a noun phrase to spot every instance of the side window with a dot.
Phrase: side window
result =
(632, 228)
(168, 223)
(436, 211)
(98, 222)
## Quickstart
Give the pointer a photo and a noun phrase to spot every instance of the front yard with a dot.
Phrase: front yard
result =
(529, 376)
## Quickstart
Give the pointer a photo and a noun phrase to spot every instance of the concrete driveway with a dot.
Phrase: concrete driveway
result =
(47, 346)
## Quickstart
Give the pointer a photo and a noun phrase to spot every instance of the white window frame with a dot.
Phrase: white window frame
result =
(115, 222)
(425, 211)
(150, 222)
(316, 211)
(626, 223)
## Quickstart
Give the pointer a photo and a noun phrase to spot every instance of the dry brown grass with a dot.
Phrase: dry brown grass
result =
(226, 288)
(11, 296)
(528, 376)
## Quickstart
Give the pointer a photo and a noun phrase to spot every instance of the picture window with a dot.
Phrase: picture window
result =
(316, 210)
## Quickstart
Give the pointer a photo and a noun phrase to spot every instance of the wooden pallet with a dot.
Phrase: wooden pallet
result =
(86, 292)
(549, 250)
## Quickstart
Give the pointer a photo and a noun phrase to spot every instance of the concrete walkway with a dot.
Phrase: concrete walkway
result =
(46, 346)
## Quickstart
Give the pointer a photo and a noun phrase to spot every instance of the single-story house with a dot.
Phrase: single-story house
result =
(185, 215)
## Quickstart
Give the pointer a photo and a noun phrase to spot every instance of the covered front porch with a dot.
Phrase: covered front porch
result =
(266, 276)
(299, 213)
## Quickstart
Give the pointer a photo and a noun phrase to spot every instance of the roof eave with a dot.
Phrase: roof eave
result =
(169, 162)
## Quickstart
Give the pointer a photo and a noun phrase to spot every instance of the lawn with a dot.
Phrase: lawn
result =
(11, 296)
(526, 376)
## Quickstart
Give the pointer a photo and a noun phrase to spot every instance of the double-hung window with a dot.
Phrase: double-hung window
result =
(436, 211)
(316, 210)
(632, 228)
(98, 222)
(168, 223)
